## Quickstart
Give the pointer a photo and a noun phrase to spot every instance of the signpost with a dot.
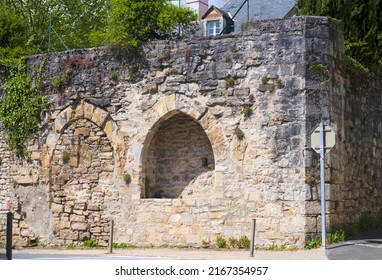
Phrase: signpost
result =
(322, 140)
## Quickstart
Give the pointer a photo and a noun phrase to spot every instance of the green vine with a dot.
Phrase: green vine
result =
(20, 109)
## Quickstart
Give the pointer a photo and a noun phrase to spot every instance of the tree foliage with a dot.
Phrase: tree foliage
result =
(362, 25)
(86, 23)
(75, 21)
(134, 22)
(12, 33)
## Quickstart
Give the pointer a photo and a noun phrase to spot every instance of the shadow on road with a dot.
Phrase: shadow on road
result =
(365, 246)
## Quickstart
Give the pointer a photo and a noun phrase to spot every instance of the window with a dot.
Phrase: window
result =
(213, 28)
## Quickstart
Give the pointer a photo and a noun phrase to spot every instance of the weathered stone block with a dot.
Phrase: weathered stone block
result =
(68, 234)
(79, 226)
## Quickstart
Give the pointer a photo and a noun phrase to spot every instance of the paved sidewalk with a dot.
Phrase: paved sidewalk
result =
(207, 254)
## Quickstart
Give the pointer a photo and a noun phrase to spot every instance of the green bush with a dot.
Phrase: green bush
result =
(123, 245)
(337, 236)
(221, 242)
(244, 242)
(313, 243)
(90, 243)
(272, 247)
(233, 242)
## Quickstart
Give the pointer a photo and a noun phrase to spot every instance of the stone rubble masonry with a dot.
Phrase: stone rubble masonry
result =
(186, 140)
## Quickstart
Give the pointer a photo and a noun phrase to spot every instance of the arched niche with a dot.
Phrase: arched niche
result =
(176, 151)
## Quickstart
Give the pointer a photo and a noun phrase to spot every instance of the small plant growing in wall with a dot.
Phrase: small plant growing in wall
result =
(114, 76)
(133, 72)
(280, 83)
(239, 134)
(272, 88)
(65, 157)
(247, 111)
(227, 59)
(264, 80)
(229, 81)
(127, 178)
(15, 183)
(57, 83)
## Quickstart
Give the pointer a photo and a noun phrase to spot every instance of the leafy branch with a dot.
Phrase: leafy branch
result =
(20, 109)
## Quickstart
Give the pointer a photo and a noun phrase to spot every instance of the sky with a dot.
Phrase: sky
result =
(216, 2)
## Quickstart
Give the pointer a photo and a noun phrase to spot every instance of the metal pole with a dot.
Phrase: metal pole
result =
(253, 238)
(8, 245)
(322, 175)
(111, 237)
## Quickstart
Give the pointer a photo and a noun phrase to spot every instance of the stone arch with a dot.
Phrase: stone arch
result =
(82, 151)
(177, 151)
(82, 110)
(172, 105)
(167, 106)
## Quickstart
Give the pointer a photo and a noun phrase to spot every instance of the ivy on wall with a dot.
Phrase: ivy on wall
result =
(20, 109)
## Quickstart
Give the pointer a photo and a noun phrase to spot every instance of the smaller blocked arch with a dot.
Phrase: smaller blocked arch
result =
(176, 152)
(82, 110)
(81, 174)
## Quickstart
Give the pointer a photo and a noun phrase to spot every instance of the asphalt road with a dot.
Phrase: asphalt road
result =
(367, 246)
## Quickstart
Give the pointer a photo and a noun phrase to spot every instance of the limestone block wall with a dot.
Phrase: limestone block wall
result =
(356, 163)
(210, 132)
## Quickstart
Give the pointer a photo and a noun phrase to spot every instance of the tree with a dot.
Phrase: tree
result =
(74, 20)
(86, 23)
(134, 22)
(12, 32)
(362, 25)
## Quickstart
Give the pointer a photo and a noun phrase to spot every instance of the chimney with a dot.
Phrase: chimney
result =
(200, 6)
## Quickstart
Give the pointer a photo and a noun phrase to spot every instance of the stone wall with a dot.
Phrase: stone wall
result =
(210, 132)
(356, 163)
